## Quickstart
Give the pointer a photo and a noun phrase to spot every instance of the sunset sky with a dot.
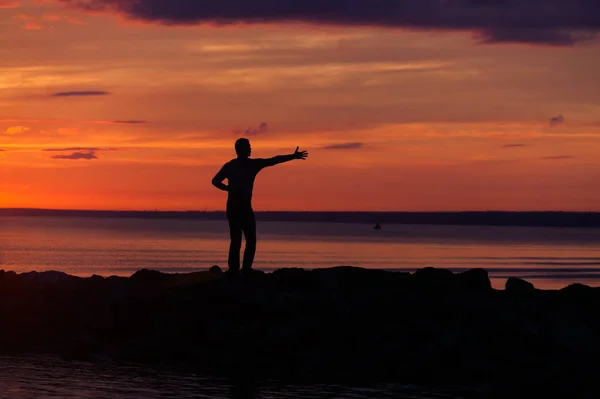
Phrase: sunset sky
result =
(402, 105)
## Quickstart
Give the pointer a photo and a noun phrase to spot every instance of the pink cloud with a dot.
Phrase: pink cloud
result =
(23, 17)
(9, 3)
(62, 18)
(33, 26)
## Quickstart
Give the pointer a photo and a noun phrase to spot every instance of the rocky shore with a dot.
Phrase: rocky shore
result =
(339, 324)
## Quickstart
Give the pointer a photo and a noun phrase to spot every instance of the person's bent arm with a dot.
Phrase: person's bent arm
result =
(217, 181)
(285, 158)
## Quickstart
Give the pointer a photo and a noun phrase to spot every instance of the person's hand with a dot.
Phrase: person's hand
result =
(300, 154)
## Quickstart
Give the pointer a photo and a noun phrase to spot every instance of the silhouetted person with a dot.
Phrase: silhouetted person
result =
(240, 174)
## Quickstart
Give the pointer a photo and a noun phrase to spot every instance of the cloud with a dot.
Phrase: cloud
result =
(557, 120)
(80, 149)
(120, 122)
(344, 146)
(1, 150)
(63, 18)
(33, 26)
(538, 36)
(559, 22)
(56, 121)
(262, 128)
(78, 153)
(21, 17)
(130, 122)
(559, 157)
(14, 130)
(9, 3)
(35, 22)
(514, 145)
(80, 93)
(28, 120)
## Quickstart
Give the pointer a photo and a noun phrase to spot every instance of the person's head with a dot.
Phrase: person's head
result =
(242, 148)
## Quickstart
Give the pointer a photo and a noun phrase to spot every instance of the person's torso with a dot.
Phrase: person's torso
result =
(241, 174)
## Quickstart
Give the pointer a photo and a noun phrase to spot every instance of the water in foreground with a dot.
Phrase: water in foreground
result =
(27, 377)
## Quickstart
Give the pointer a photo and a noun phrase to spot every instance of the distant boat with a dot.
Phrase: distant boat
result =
(377, 227)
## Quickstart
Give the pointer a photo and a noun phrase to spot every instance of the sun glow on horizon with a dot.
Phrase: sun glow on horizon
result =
(98, 112)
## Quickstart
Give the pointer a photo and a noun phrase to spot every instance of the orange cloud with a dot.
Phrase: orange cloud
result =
(9, 3)
(13, 130)
(120, 122)
(62, 18)
(33, 26)
(23, 17)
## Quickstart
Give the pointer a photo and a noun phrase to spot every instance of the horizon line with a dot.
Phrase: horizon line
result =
(294, 211)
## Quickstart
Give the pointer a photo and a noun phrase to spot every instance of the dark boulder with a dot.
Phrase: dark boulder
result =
(475, 280)
(148, 276)
(579, 291)
(215, 269)
(293, 279)
(51, 276)
(434, 280)
(515, 285)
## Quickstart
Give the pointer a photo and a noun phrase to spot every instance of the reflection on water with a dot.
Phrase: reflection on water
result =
(548, 257)
(44, 377)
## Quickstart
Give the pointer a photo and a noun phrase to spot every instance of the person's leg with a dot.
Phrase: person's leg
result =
(235, 234)
(249, 228)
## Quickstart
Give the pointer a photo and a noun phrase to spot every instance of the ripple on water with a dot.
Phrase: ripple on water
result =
(44, 377)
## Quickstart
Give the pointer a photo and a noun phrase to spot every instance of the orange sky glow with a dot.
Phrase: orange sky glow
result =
(98, 111)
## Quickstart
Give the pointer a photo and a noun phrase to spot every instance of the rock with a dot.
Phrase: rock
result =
(432, 274)
(346, 323)
(432, 279)
(515, 285)
(475, 280)
(215, 269)
(51, 276)
(252, 275)
(579, 291)
(146, 275)
(293, 279)
(353, 278)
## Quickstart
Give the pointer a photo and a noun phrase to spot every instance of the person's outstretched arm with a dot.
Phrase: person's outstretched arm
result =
(217, 181)
(285, 158)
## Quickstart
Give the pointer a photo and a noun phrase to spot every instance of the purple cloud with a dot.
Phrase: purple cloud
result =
(80, 93)
(262, 128)
(80, 149)
(77, 153)
(344, 146)
(130, 122)
(559, 157)
(556, 22)
(557, 120)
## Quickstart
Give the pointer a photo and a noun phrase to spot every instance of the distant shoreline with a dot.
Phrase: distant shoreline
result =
(473, 218)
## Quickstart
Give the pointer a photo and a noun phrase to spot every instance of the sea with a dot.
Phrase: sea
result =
(29, 377)
(550, 258)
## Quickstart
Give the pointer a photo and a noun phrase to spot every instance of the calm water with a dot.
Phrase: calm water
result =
(43, 377)
(548, 257)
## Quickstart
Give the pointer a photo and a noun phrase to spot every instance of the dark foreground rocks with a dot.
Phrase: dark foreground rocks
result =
(339, 324)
